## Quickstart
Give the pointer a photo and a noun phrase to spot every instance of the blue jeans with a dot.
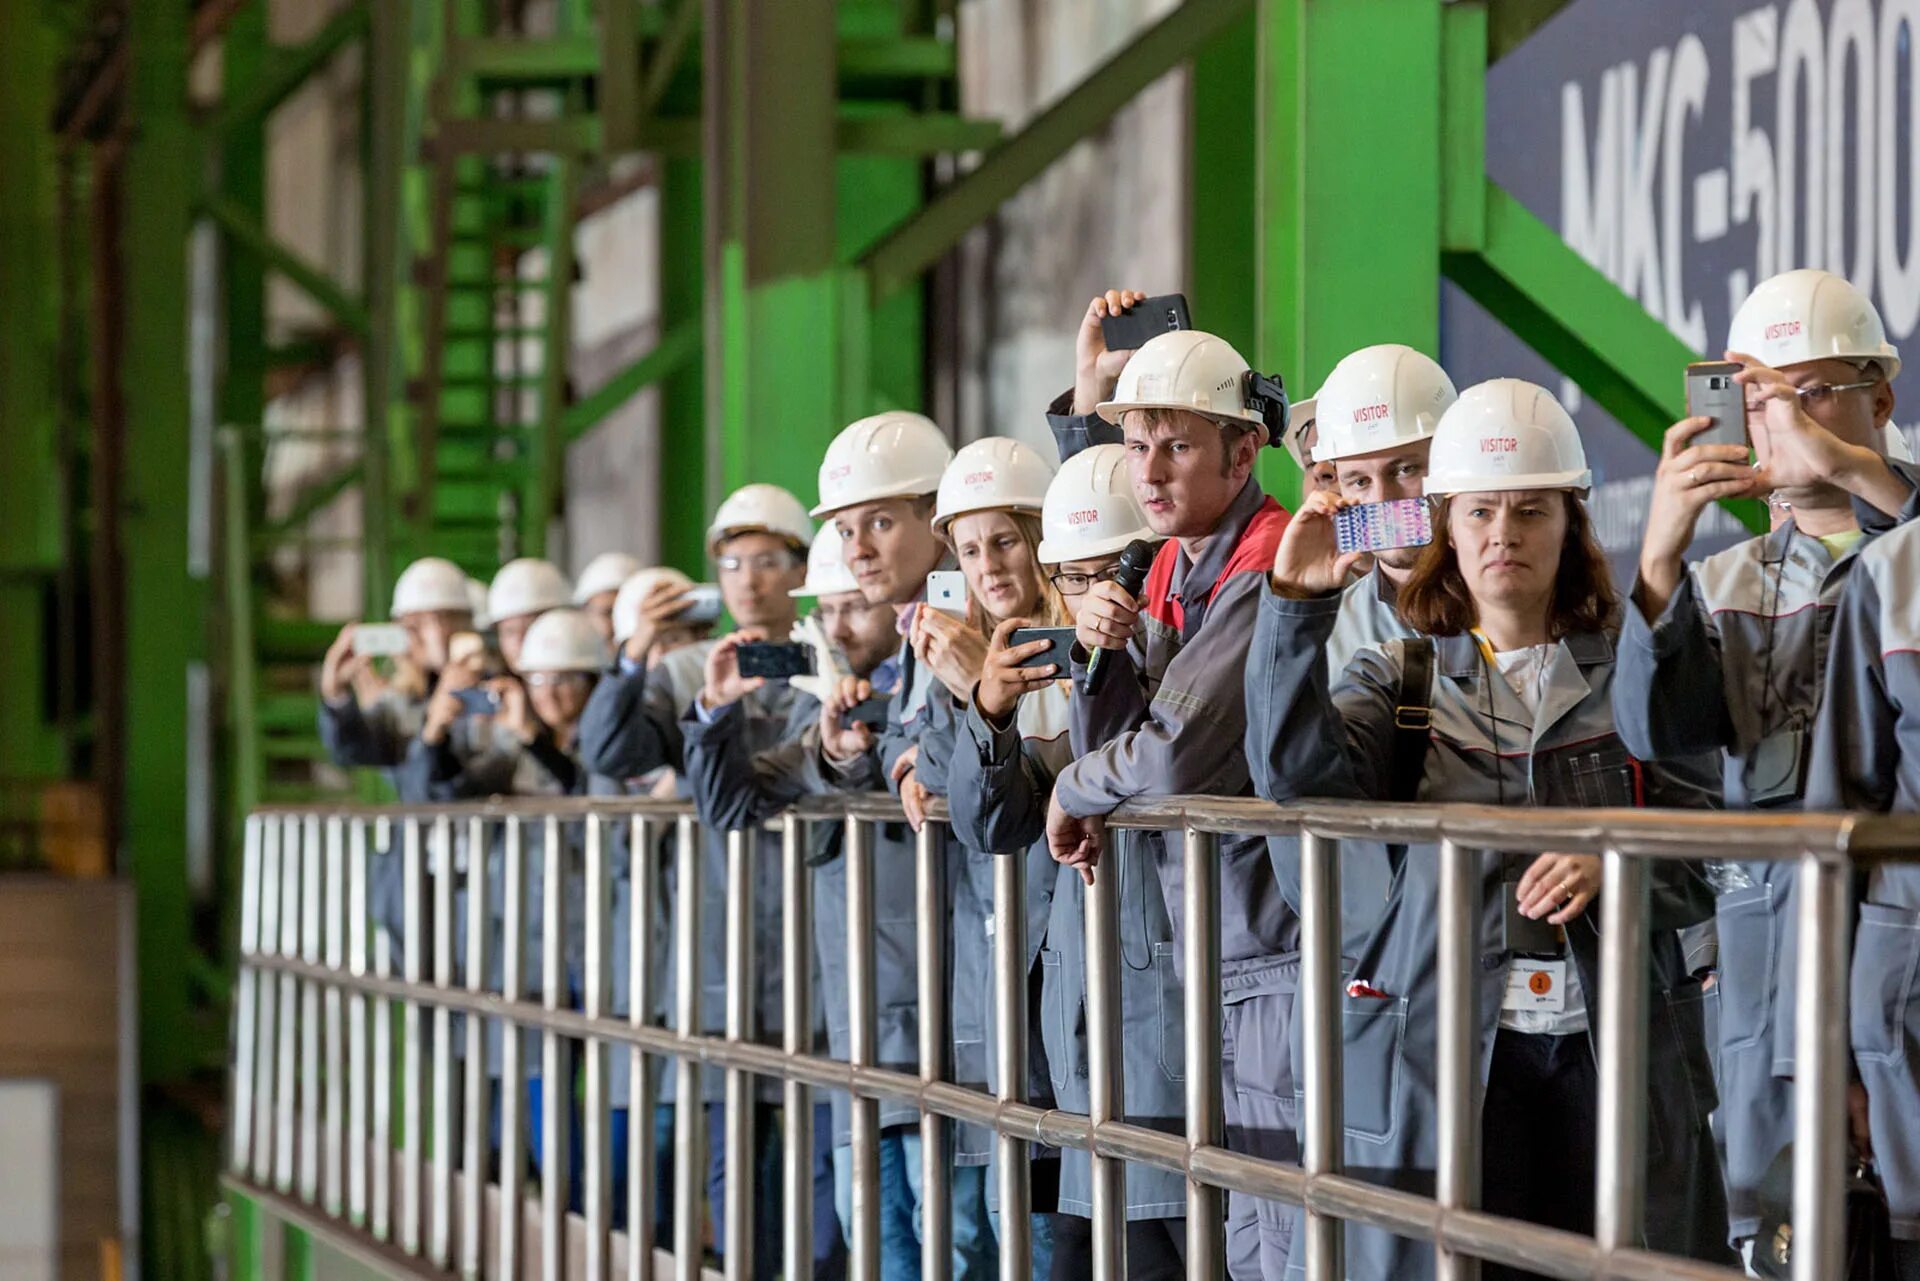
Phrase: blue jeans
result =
(576, 1147)
(829, 1249)
(976, 1251)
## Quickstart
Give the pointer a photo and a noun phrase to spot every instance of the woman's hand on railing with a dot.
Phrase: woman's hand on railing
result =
(1077, 842)
(952, 648)
(841, 742)
(1560, 884)
(725, 684)
(1309, 561)
(913, 794)
(1003, 680)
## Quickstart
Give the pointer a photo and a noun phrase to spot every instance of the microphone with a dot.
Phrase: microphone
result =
(1131, 574)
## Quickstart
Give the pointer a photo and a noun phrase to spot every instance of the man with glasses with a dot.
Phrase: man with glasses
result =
(1730, 654)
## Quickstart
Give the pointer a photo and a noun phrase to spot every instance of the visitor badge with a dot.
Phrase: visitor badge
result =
(1539, 987)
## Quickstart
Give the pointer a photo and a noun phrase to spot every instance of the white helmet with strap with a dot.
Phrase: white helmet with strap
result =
(428, 585)
(1506, 435)
(626, 605)
(760, 509)
(563, 640)
(1380, 397)
(1091, 509)
(827, 572)
(527, 586)
(1810, 314)
(1302, 430)
(892, 455)
(604, 573)
(994, 473)
(1185, 369)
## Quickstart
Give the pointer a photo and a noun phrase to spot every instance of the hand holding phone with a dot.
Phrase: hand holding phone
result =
(703, 604)
(1379, 527)
(1713, 393)
(379, 640)
(947, 592)
(1146, 319)
(775, 660)
(1057, 653)
(871, 712)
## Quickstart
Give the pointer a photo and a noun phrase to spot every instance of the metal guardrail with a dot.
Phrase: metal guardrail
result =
(314, 1061)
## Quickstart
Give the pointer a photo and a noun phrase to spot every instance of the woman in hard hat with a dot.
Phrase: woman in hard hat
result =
(987, 511)
(1011, 745)
(599, 584)
(523, 590)
(1501, 697)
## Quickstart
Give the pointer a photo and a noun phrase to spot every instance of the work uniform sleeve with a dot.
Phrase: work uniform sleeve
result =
(1074, 432)
(1189, 739)
(630, 726)
(1304, 739)
(1669, 688)
(357, 737)
(999, 791)
(441, 772)
(1855, 759)
(1873, 520)
(732, 786)
(937, 739)
(1681, 895)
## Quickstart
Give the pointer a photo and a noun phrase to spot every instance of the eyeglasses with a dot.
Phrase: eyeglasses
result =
(1821, 393)
(537, 680)
(763, 563)
(1077, 584)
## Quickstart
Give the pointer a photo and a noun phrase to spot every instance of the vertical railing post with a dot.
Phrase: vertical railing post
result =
(244, 1008)
(596, 1168)
(333, 932)
(1320, 1020)
(796, 1020)
(930, 957)
(1010, 1018)
(311, 857)
(1106, 1060)
(689, 1163)
(266, 1059)
(863, 1036)
(737, 1250)
(413, 969)
(478, 1105)
(1458, 1178)
(1206, 1236)
(643, 887)
(1620, 1172)
(513, 1082)
(1820, 1045)
(556, 1078)
(286, 1092)
(357, 1029)
(380, 1155)
(440, 1184)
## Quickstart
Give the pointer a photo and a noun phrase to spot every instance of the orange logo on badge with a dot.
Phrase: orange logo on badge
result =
(1540, 983)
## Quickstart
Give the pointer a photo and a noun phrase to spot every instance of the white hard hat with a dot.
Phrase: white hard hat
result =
(527, 586)
(626, 604)
(563, 640)
(827, 572)
(760, 509)
(993, 473)
(1301, 417)
(1184, 369)
(430, 583)
(892, 455)
(604, 573)
(477, 602)
(1893, 443)
(1091, 509)
(1806, 315)
(1378, 398)
(1504, 435)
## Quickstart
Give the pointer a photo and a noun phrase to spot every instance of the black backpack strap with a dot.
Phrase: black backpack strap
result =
(1412, 718)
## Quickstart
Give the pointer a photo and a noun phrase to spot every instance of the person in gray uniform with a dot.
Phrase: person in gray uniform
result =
(1014, 741)
(1729, 654)
(1512, 661)
(740, 777)
(1165, 715)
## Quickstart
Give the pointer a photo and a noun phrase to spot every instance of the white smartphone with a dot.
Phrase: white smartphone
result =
(703, 604)
(379, 640)
(947, 591)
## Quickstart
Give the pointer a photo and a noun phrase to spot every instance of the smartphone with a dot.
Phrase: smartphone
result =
(476, 700)
(703, 604)
(1059, 642)
(775, 660)
(1712, 393)
(872, 713)
(947, 591)
(1379, 527)
(1145, 319)
(379, 640)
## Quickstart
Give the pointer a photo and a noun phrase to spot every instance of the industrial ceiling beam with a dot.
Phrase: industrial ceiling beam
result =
(313, 281)
(671, 352)
(288, 68)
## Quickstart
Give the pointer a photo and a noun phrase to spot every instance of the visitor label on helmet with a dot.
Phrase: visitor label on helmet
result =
(1782, 329)
(982, 477)
(1370, 413)
(1085, 516)
(841, 472)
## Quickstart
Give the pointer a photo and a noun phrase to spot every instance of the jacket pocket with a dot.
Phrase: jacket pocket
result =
(1886, 948)
(1173, 1016)
(1749, 952)
(1373, 1032)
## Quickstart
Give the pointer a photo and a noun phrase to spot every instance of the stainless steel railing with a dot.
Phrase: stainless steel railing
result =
(314, 1064)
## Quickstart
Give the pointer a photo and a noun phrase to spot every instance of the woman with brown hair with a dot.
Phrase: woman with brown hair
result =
(1512, 668)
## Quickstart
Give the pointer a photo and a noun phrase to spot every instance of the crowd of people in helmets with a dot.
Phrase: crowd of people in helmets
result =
(1500, 663)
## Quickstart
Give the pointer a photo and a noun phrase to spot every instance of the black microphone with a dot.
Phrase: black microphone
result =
(1131, 574)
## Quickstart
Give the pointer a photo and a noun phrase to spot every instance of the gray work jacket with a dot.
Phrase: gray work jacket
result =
(1306, 740)
(1001, 778)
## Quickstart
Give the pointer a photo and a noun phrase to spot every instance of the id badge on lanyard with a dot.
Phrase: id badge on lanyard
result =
(1538, 987)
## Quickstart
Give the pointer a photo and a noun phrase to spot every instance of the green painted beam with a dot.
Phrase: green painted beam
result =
(1565, 309)
(244, 230)
(667, 57)
(617, 90)
(1512, 21)
(669, 353)
(1222, 235)
(924, 133)
(286, 69)
(312, 498)
(919, 242)
(243, 729)
(863, 61)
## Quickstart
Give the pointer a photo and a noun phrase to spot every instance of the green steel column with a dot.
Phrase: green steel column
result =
(1222, 218)
(1348, 144)
(30, 516)
(681, 479)
(164, 609)
(242, 183)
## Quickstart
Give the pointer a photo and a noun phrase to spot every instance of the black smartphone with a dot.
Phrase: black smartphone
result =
(776, 660)
(1059, 644)
(1145, 319)
(476, 700)
(1712, 393)
(871, 713)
